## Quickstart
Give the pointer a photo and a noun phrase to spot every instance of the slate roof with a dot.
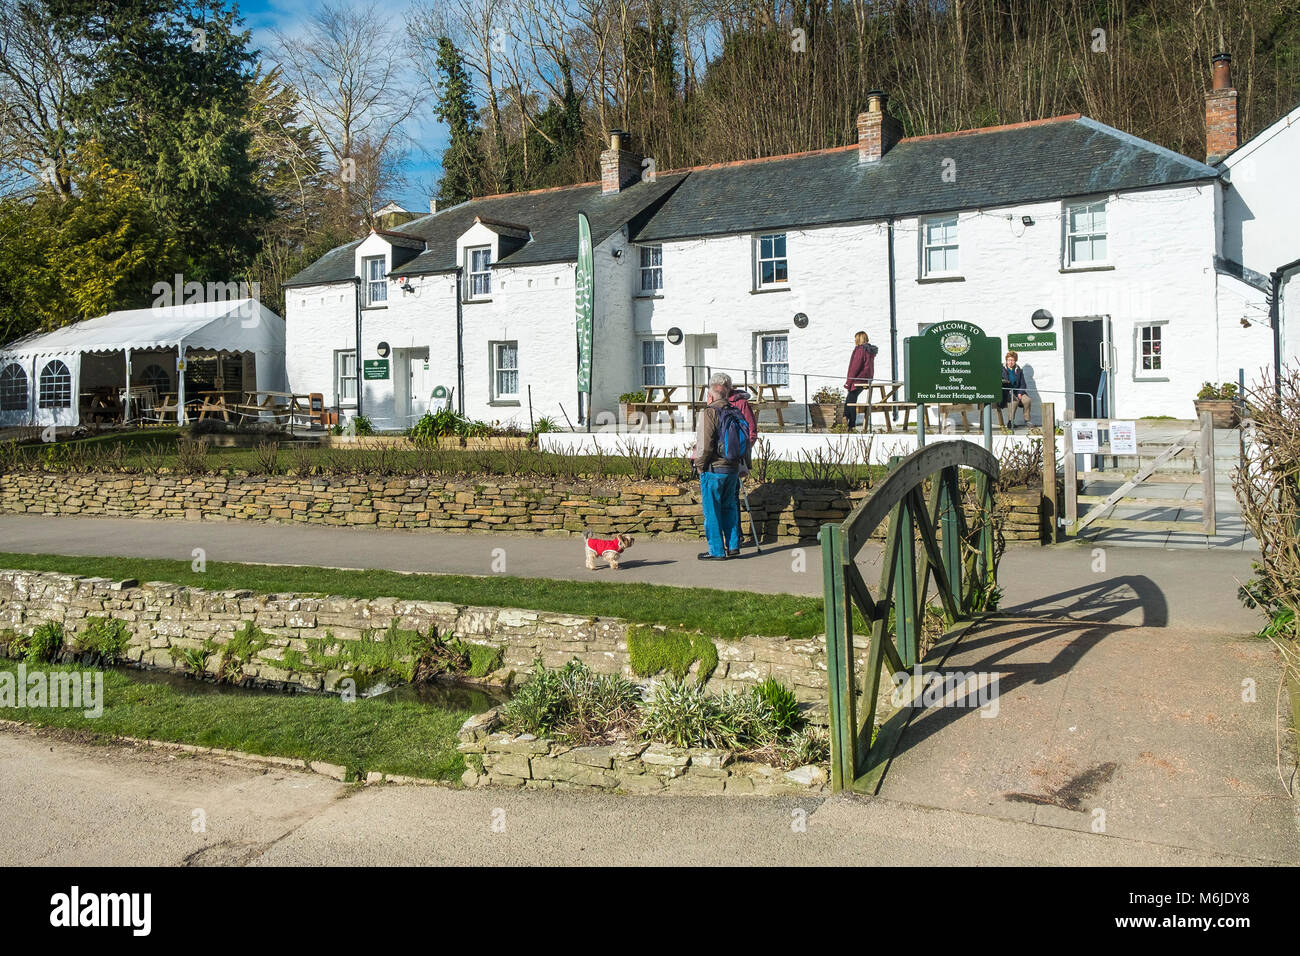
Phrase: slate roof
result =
(1044, 160)
(550, 217)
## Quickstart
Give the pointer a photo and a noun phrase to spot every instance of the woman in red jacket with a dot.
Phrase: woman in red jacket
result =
(862, 369)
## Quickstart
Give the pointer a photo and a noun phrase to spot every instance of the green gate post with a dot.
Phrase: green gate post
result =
(839, 665)
(906, 633)
(950, 527)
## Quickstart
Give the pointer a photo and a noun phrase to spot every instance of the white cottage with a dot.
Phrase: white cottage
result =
(1116, 255)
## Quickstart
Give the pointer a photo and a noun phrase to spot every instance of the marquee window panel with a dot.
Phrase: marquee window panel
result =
(13, 388)
(56, 386)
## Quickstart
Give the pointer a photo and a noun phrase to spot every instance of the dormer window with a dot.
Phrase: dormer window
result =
(376, 282)
(479, 261)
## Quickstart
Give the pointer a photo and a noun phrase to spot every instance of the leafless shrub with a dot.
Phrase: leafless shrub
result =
(1268, 486)
(192, 457)
(267, 455)
(643, 458)
(304, 459)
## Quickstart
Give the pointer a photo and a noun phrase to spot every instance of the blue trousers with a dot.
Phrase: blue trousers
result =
(719, 491)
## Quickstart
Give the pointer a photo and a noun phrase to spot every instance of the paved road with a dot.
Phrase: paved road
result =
(1193, 588)
(1146, 733)
(286, 818)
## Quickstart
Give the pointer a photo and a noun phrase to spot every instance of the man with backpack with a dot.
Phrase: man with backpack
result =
(722, 444)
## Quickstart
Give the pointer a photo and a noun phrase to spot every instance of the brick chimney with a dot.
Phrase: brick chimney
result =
(620, 167)
(1222, 128)
(878, 132)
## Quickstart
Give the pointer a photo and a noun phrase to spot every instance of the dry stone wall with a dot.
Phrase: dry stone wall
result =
(783, 510)
(166, 620)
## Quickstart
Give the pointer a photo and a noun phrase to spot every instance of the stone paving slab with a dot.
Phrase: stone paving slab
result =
(1147, 726)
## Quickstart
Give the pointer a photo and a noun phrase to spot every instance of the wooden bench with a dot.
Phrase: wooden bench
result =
(946, 409)
(867, 408)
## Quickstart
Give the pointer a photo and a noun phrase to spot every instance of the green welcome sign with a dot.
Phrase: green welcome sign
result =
(952, 362)
(372, 369)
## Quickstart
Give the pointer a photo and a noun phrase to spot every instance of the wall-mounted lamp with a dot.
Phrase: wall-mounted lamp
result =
(674, 336)
(618, 253)
(405, 284)
(1026, 220)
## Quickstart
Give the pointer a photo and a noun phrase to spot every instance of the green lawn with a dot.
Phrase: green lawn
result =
(718, 614)
(395, 736)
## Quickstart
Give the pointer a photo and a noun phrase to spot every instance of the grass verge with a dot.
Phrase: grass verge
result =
(718, 614)
(390, 736)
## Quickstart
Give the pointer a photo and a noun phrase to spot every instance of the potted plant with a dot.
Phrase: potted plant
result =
(626, 400)
(1221, 402)
(827, 407)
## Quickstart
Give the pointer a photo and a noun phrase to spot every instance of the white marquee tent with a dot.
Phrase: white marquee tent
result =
(43, 377)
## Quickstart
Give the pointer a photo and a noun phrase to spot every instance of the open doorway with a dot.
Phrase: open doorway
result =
(1089, 366)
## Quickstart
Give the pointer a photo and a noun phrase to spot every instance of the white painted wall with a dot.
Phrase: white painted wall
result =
(1262, 203)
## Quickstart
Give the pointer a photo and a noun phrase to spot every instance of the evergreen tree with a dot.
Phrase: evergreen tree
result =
(462, 161)
(167, 96)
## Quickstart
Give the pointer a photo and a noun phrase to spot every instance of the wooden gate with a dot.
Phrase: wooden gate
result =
(957, 558)
(1203, 443)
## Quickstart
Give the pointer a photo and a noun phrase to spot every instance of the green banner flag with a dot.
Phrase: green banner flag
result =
(585, 304)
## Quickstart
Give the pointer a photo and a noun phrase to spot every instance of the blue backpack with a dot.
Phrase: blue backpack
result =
(733, 434)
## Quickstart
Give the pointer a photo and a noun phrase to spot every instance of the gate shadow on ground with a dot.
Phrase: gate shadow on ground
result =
(1004, 644)
(1103, 602)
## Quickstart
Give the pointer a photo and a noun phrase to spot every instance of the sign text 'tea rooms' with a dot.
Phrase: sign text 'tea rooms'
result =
(952, 362)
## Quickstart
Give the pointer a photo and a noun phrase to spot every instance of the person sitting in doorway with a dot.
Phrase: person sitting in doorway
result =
(1014, 391)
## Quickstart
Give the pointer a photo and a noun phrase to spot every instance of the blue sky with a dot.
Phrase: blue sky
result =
(424, 164)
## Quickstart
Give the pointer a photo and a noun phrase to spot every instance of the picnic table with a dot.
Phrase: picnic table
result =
(658, 398)
(261, 402)
(885, 400)
(214, 403)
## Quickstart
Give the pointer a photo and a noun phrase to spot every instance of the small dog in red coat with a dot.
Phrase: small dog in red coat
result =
(607, 548)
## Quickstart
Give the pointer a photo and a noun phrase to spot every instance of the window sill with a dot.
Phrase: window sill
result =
(926, 280)
(784, 288)
(647, 295)
(1139, 379)
(504, 403)
(1102, 268)
(474, 301)
(373, 308)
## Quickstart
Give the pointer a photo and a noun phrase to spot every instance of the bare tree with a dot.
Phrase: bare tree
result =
(352, 74)
(36, 84)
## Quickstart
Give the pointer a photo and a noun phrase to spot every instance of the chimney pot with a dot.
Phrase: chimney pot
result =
(1222, 71)
(620, 167)
(1222, 124)
(433, 205)
(878, 132)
